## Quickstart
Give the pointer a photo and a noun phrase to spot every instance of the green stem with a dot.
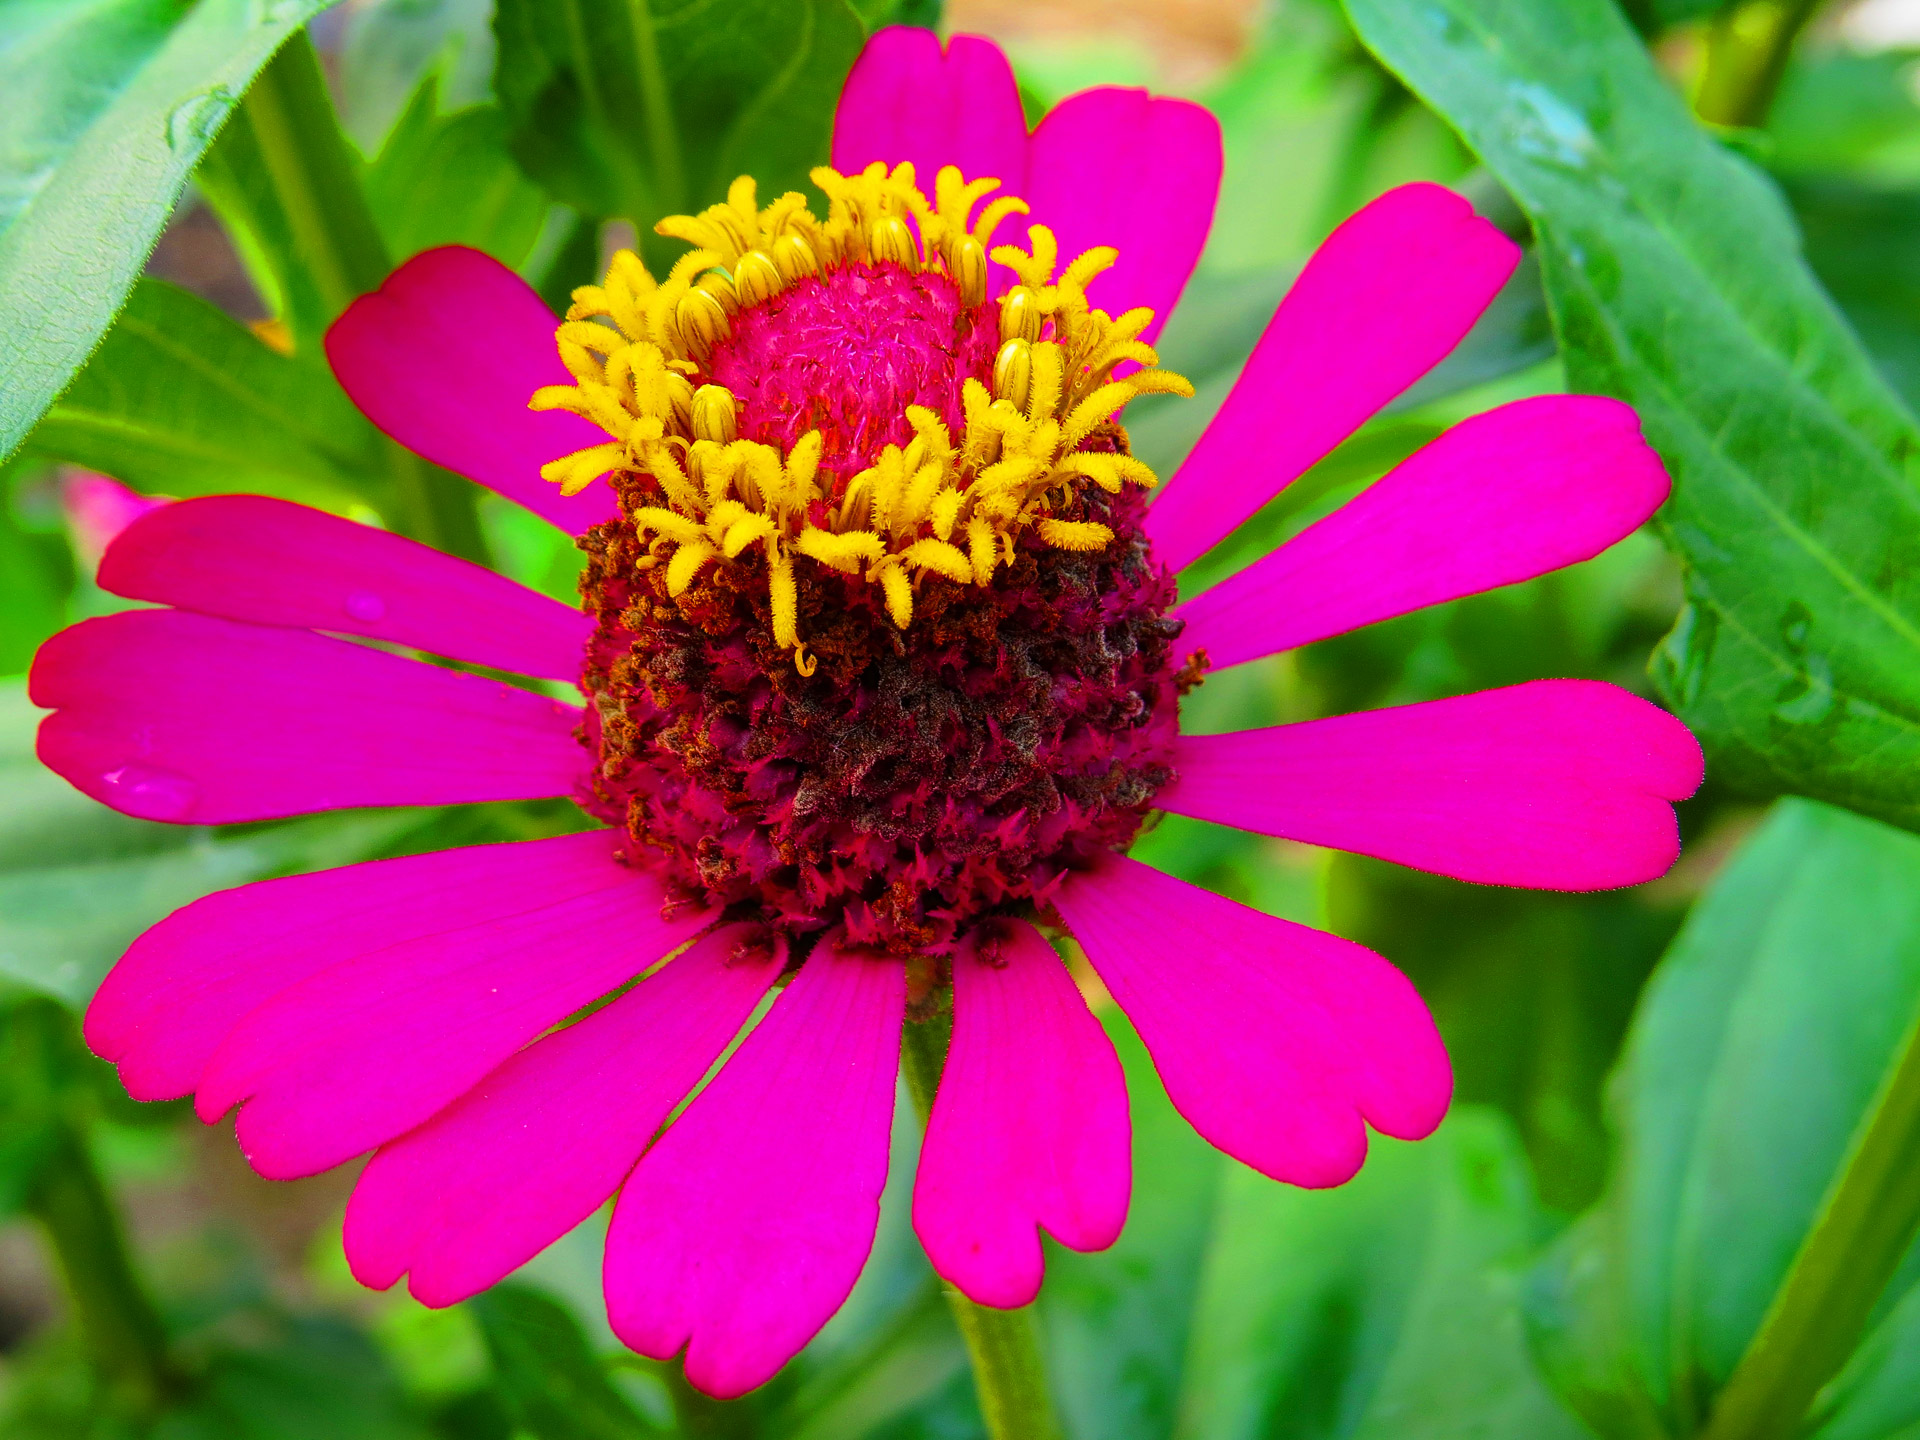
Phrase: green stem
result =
(1747, 53)
(1008, 1372)
(316, 205)
(1865, 1226)
(121, 1327)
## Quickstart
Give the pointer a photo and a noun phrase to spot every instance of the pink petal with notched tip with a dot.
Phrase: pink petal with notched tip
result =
(272, 562)
(1279, 1044)
(445, 355)
(742, 1231)
(1138, 172)
(183, 985)
(1029, 1127)
(1381, 302)
(1554, 785)
(370, 1047)
(1503, 497)
(169, 715)
(539, 1144)
(1105, 167)
(907, 99)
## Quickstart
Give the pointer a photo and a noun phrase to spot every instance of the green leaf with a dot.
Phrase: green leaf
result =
(109, 106)
(391, 44)
(1863, 241)
(288, 185)
(78, 882)
(448, 180)
(647, 108)
(877, 13)
(306, 1378)
(182, 400)
(1757, 1055)
(36, 574)
(1839, 111)
(1676, 283)
(544, 1370)
(1387, 1308)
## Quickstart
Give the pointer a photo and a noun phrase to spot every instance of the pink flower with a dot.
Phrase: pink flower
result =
(97, 508)
(844, 723)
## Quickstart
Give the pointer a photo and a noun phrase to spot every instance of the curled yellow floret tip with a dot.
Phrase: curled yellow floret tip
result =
(942, 505)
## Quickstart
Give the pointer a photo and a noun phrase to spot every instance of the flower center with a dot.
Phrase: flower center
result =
(881, 642)
(845, 354)
(1022, 443)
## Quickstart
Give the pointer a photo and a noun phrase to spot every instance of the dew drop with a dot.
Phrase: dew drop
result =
(365, 606)
(150, 793)
(192, 123)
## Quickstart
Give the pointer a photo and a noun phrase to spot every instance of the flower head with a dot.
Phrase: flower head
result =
(883, 668)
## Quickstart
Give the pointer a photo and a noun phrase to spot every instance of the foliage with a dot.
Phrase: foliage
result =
(1674, 272)
(111, 104)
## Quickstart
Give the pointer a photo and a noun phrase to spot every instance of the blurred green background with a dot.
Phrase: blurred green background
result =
(1684, 1163)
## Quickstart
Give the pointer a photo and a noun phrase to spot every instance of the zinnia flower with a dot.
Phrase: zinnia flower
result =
(884, 663)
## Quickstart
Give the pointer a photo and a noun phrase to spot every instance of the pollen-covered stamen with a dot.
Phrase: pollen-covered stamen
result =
(882, 489)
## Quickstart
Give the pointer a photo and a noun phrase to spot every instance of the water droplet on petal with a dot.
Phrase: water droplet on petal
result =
(150, 793)
(365, 606)
(192, 123)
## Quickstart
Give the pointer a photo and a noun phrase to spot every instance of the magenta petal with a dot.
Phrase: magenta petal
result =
(1554, 785)
(1505, 496)
(1029, 1127)
(1275, 1041)
(744, 1228)
(1379, 304)
(248, 557)
(169, 715)
(183, 985)
(1140, 173)
(371, 1046)
(536, 1146)
(906, 100)
(444, 358)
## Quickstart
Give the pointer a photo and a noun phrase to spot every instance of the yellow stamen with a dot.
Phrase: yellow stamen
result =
(757, 278)
(1013, 373)
(951, 506)
(715, 415)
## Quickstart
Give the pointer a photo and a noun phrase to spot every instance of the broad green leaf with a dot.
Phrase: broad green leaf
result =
(182, 400)
(109, 106)
(1386, 1308)
(1757, 1053)
(545, 1371)
(447, 179)
(78, 882)
(1676, 284)
(1863, 241)
(646, 108)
